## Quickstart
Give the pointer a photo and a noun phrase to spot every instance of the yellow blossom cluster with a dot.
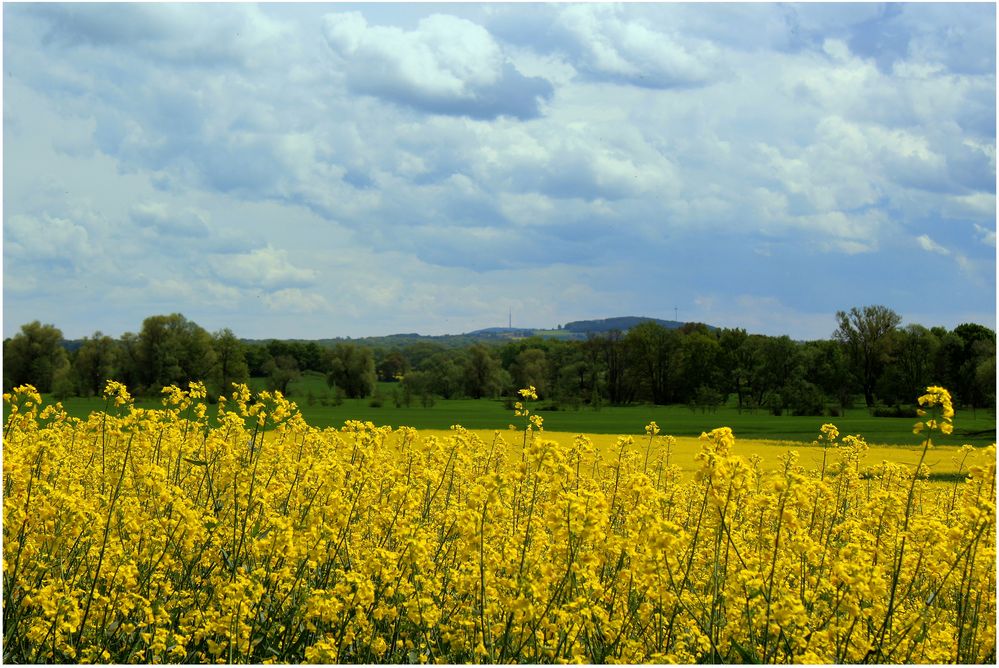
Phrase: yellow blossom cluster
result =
(242, 534)
(937, 404)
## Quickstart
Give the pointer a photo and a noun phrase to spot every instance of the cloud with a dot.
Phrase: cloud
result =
(185, 35)
(576, 158)
(157, 217)
(609, 47)
(930, 246)
(959, 37)
(45, 238)
(268, 268)
(294, 300)
(760, 314)
(447, 65)
(985, 235)
(976, 205)
(967, 265)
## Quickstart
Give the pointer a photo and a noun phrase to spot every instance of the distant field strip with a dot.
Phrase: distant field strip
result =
(943, 461)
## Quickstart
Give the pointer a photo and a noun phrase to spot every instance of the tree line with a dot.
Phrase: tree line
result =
(869, 355)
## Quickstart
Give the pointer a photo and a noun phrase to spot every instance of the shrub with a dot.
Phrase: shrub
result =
(895, 411)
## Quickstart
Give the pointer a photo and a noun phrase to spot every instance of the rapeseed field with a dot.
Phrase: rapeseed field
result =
(161, 536)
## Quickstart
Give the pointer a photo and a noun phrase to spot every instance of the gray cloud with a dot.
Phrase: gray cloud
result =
(156, 216)
(46, 239)
(181, 34)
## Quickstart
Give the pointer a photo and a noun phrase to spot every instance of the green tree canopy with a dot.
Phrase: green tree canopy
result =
(352, 369)
(98, 360)
(657, 354)
(531, 368)
(172, 350)
(33, 356)
(866, 335)
(230, 363)
(482, 373)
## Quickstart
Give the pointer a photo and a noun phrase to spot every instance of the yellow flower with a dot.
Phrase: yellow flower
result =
(937, 399)
(117, 391)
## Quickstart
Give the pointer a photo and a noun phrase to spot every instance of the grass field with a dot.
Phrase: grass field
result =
(310, 393)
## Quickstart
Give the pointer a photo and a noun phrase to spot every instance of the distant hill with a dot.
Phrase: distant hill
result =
(622, 323)
(502, 331)
(578, 330)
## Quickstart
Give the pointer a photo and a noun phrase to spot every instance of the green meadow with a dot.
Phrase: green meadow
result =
(316, 402)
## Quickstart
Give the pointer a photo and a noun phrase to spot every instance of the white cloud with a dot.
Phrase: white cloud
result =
(447, 65)
(964, 263)
(837, 49)
(268, 268)
(981, 205)
(46, 238)
(294, 300)
(446, 56)
(613, 47)
(985, 235)
(930, 246)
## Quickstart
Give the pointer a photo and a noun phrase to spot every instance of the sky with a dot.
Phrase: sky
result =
(322, 170)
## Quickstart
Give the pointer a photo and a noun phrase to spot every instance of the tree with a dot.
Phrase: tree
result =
(594, 384)
(310, 356)
(978, 343)
(985, 378)
(419, 352)
(803, 397)
(825, 364)
(531, 368)
(392, 365)
(572, 376)
(779, 365)
(482, 373)
(656, 354)
(230, 363)
(701, 354)
(33, 356)
(735, 360)
(866, 335)
(130, 364)
(914, 350)
(281, 371)
(417, 384)
(97, 361)
(64, 381)
(172, 350)
(352, 368)
(614, 356)
(446, 372)
(257, 356)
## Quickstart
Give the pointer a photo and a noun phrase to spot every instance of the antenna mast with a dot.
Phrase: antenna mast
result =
(510, 321)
